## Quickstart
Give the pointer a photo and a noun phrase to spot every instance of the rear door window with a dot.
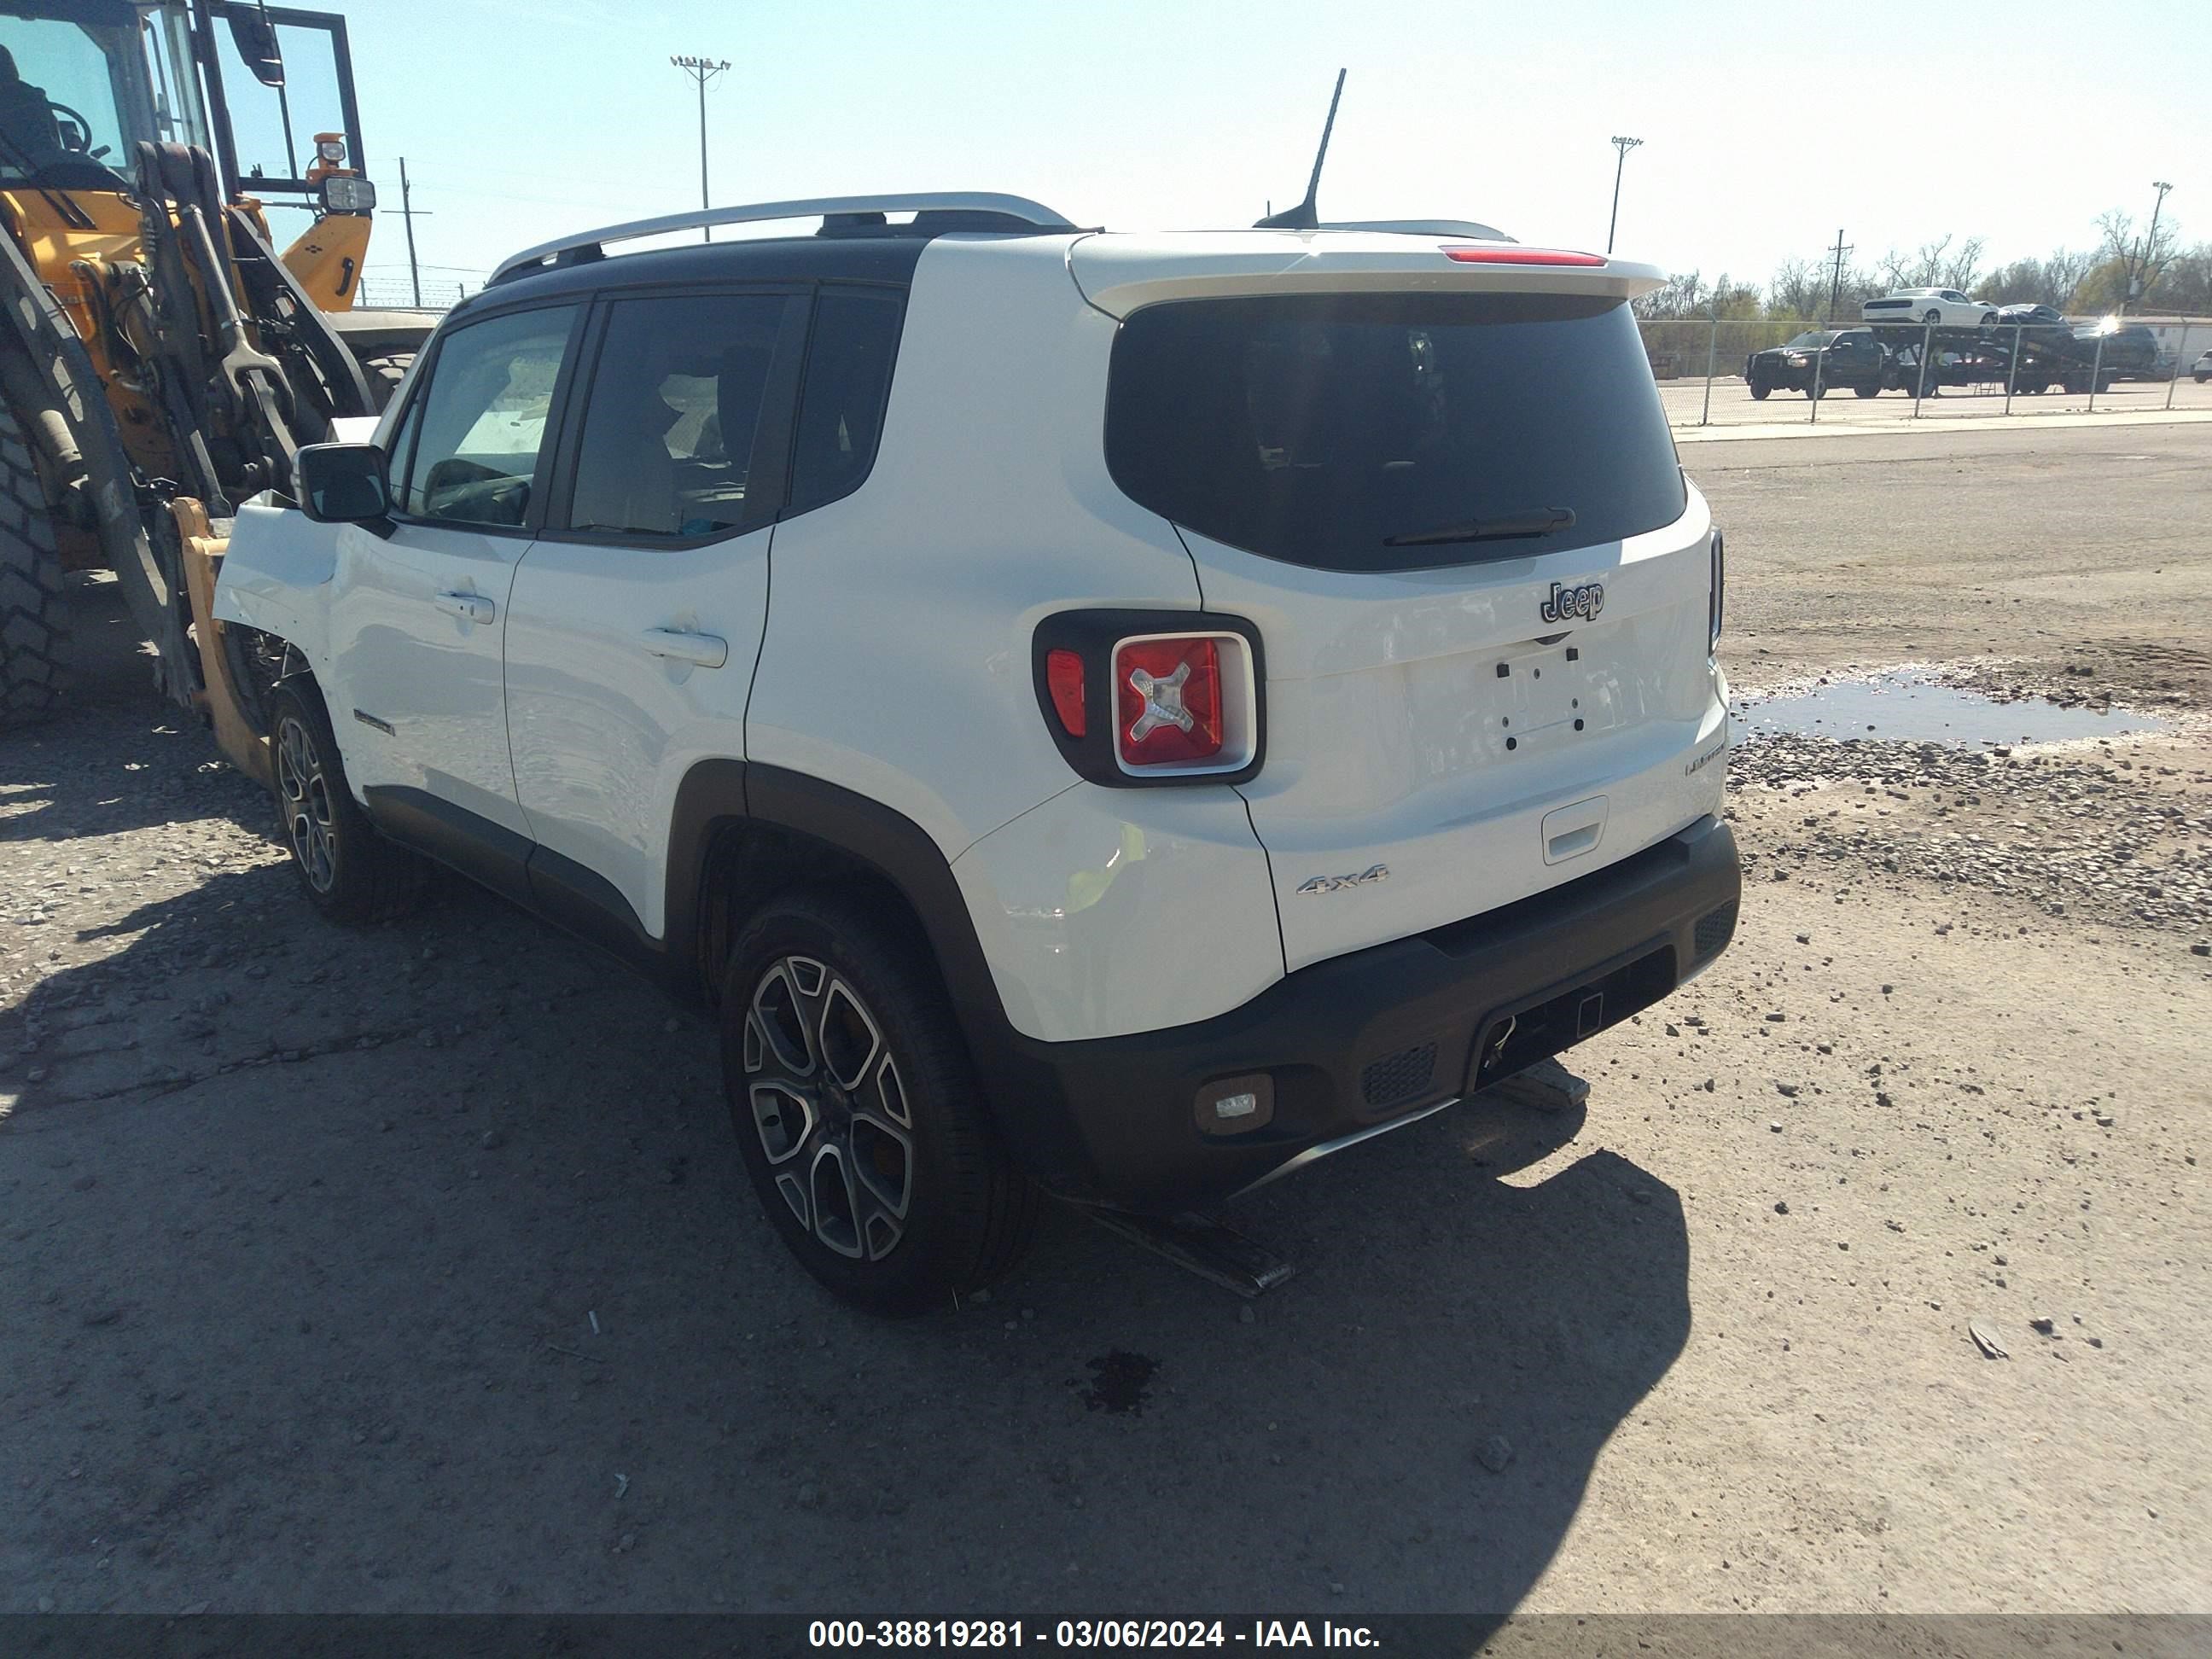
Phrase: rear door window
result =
(683, 436)
(1380, 432)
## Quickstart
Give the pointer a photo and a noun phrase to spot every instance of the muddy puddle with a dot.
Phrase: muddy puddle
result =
(1911, 706)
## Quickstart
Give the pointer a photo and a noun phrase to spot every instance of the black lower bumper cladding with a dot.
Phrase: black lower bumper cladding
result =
(1372, 1037)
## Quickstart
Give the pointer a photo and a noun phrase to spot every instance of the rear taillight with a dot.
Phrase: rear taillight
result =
(1063, 677)
(1137, 698)
(1167, 695)
(1521, 256)
(1716, 607)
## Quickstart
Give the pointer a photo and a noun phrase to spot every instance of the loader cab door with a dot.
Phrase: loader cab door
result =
(418, 606)
(279, 77)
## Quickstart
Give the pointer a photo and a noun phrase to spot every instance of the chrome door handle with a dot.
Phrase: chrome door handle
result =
(707, 650)
(469, 607)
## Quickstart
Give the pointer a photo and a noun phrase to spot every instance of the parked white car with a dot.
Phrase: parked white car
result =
(1945, 307)
(2202, 371)
(1117, 715)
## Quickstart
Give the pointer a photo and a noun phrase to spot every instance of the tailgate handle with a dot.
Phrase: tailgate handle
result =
(1570, 831)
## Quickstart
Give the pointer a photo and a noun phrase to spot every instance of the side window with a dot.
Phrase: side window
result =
(481, 419)
(680, 440)
(849, 382)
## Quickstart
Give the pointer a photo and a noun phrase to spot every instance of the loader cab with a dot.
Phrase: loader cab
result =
(268, 92)
(77, 95)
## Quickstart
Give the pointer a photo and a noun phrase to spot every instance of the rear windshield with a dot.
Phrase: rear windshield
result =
(1393, 432)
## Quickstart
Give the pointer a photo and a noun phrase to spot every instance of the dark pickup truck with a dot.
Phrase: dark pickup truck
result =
(1818, 362)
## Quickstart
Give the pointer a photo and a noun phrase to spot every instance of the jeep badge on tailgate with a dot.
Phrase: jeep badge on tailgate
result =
(1585, 601)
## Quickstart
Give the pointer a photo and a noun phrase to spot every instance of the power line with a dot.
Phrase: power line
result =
(409, 213)
(1623, 145)
(701, 69)
(1836, 283)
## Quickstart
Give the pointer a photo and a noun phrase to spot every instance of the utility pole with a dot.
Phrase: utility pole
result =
(701, 69)
(410, 214)
(1835, 283)
(1623, 145)
(2145, 251)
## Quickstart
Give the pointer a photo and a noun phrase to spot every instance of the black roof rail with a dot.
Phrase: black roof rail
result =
(841, 215)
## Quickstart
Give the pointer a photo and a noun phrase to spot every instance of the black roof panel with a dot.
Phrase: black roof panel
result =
(809, 259)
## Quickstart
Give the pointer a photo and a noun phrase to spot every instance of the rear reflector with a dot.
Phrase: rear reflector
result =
(1521, 256)
(1168, 695)
(1063, 677)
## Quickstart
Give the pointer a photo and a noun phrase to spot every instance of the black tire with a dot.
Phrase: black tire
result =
(1812, 391)
(34, 624)
(351, 874)
(1760, 389)
(384, 375)
(1932, 316)
(1869, 388)
(819, 977)
(2199, 378)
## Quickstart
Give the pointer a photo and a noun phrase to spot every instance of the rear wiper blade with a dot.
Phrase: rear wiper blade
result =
(1532, 521)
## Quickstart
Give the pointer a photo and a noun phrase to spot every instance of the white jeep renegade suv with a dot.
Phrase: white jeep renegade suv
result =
(1109, 715)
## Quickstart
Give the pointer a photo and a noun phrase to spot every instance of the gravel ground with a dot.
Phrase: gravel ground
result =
(415, 1269)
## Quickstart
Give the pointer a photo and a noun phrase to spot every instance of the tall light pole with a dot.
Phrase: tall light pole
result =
(2150, 248)
(701, 69)
(1623, 145)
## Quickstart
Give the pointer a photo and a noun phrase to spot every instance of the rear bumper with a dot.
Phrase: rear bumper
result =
(1370, 1039)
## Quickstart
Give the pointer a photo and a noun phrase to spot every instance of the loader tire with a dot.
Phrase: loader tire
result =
(34, 630)
(384, 375)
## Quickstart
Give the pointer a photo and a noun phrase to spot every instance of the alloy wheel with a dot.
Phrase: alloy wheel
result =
(306, 795)
(826, 1100)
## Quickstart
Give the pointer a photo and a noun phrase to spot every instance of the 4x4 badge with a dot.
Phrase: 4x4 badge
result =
(1371, 874)
(1585, 601)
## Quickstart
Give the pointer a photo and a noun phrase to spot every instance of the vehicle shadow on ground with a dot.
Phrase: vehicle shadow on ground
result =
(416, 1268)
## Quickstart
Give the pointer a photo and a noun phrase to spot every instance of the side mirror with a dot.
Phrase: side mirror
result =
(342, 483)
(254, 37)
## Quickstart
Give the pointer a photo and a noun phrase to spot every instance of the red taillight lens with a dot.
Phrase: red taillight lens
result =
(1167, 696)
(1063, 677)
(1521, 256)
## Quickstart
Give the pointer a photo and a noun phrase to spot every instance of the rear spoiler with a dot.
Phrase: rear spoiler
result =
(1119, 274)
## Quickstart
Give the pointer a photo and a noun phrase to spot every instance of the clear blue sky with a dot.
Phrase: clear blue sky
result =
(1765, 126)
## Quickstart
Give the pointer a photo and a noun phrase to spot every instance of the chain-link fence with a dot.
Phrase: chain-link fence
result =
(397, 292)
(1763, 371)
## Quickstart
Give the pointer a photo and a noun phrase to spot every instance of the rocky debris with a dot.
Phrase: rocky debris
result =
(1985, 1338)
(2053, 825)
(1494, 1453)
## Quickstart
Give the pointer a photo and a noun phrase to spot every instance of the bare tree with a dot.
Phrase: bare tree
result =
(2143, 259)
(2184, 284)
(1934, 264)
(1964, 269)
(1683, 295)
(1798, 289)
(2054, 281)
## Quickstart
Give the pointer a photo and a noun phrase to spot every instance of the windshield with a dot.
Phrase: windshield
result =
(1390, 432)
(1807, 342)
(74, 98)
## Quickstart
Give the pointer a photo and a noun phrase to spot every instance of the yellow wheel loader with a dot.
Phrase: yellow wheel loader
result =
(159, 361)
